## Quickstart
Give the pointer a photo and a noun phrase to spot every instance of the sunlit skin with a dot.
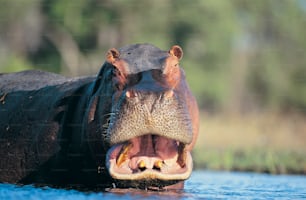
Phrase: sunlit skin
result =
(171, 80)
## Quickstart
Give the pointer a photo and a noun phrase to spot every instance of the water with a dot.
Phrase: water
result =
(202, 185)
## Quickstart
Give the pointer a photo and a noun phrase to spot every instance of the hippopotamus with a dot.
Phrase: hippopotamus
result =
(134, 124)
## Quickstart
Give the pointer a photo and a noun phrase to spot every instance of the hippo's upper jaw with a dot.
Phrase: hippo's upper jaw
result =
(152, 126)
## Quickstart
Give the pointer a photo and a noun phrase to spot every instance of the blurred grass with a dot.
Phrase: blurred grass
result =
(261, 142)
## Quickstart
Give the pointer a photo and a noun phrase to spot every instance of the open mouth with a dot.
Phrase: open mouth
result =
(149, 157)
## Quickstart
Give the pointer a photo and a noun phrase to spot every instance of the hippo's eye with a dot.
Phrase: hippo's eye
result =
(118, 79)
(157, 74)
(116, 72)
(133, 79)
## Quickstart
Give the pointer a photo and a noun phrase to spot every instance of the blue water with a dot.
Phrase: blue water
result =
(201, 185)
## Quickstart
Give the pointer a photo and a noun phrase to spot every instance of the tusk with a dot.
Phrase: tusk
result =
(158, 164)
(182, 155)
(141, 164)
(123, 156)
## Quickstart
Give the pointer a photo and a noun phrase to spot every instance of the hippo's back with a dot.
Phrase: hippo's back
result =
(31, 80)
(33, 107)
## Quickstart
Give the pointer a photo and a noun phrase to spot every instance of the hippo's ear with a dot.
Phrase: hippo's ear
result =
(112, 55)
(176, 51)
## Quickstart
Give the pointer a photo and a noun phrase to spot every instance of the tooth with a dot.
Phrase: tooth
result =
(141, 164)
(123, 156)
(182, 155)
(158, 164)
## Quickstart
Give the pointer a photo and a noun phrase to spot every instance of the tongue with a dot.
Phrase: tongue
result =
(165, 148)
(149, 152)
(144, 146)
(153, 146)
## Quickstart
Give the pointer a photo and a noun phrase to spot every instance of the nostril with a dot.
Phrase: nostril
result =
(168, 94)
(130, 94)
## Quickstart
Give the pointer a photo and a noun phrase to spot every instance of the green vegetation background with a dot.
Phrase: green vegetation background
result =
(245, 60)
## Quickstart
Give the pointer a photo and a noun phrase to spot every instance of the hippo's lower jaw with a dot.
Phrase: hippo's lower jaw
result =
(148, 159)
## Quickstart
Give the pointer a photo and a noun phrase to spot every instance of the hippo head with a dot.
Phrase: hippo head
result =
(149, 116)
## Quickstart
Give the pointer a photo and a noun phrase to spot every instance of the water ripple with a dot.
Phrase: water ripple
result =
(202, 185)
